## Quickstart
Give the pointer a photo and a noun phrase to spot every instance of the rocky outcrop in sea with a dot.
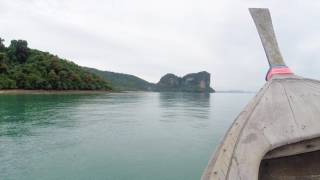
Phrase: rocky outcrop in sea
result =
(194, 82)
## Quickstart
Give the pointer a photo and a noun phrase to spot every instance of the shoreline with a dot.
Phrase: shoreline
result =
(24, 91)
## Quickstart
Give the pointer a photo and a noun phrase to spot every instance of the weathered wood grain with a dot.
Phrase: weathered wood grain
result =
(281, 120)
(298, 167)
(263, 23)
(285, 111)
(294, 149)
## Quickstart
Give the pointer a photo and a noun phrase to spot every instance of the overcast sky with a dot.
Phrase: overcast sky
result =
(150, 38)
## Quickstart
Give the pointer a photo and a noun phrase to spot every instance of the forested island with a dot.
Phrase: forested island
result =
(123, 82)
(25, 68)
(193, 82)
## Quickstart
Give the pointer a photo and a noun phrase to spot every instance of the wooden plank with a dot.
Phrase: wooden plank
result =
(294, 149)
(263, 22)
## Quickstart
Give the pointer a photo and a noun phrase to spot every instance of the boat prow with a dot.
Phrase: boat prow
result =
(277, 135)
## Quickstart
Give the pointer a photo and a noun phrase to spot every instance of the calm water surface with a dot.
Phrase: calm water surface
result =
(116, 136)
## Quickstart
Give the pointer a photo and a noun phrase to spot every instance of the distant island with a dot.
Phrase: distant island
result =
(194, 82)
(23, 68)
(121, 81)
(30, 69)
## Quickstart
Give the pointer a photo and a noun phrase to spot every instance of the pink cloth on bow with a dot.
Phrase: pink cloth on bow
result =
(278, 70)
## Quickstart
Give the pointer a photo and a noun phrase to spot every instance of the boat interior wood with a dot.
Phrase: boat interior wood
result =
(297, 167)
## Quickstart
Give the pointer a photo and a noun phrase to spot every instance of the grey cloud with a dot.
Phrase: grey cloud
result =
(149, 38)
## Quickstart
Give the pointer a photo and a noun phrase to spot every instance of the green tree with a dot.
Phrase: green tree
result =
(2, 46)
(24, 68)
(7, 83)
(3, 61)
(18, 51)
(20, 78)
(34, 82)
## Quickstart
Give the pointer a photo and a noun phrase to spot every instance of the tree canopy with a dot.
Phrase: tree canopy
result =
(2, 47)
(18, 51)
(25, 68)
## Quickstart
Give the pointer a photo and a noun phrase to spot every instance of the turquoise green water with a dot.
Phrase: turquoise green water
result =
(116, 136)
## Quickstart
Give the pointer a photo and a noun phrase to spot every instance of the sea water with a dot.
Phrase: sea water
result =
(113, 136)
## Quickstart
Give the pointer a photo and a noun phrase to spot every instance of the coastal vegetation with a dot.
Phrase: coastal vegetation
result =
(25, 68)
(123, 82)
(193, 82)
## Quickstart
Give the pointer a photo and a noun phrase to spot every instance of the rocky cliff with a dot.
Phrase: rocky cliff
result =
(194, 82)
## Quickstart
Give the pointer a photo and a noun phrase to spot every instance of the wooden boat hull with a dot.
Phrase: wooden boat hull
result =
(284, 112)
(277, 135)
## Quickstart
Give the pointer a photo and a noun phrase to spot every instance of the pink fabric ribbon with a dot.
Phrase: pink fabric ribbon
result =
(278, 70)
